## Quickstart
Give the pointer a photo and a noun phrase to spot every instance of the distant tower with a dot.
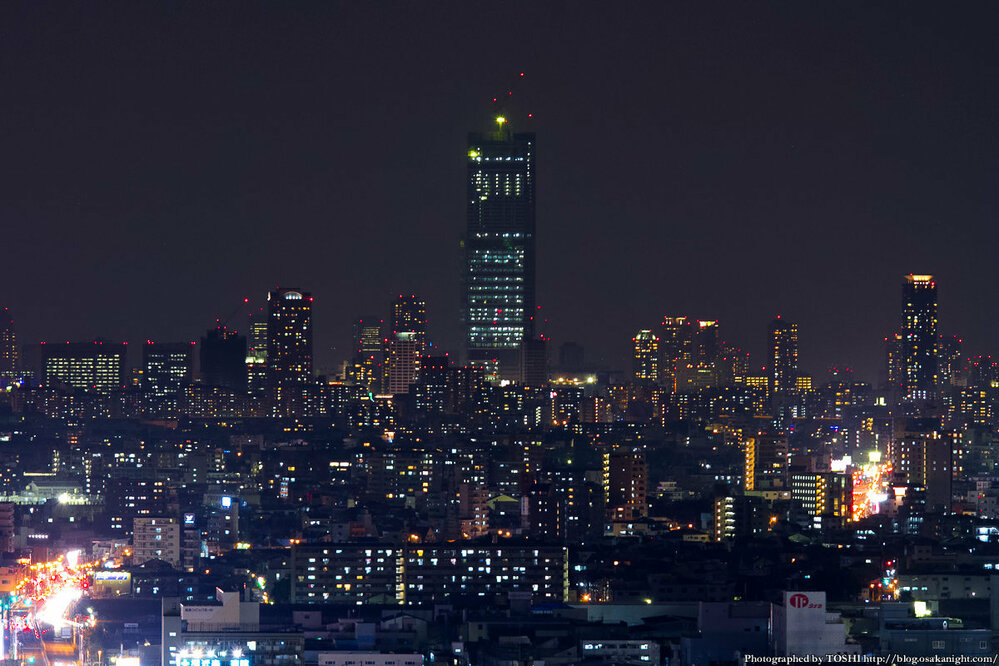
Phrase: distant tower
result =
(893, 372)
(646, 357)
(369, 352)
(919, 337)
(707, 345)
(402, 362)
(675, 340)
(409, 315)
(783, 355)
(499, 278)
(89, 366)
(256, 359)
(289, 349)
(165, 367)
(223, 359)
(949, 362)
(8, 344)
(406, 345)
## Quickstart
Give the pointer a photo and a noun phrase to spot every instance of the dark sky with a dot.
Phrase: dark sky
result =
(161, 161)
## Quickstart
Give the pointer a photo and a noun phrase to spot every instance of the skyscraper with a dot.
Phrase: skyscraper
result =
(893, 364)
(499, 279)
(675, 341)
(165, 366)
(369, 352)
(783, 355)
(409, 315)
(256, 360)
(89, 366)
(949, 362)
(402, 362)
(223, 358)
(289, 349)
(646, 357)
(406, 344)
(919, 337)
(8, 344)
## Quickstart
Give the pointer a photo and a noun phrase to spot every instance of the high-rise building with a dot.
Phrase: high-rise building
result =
(783, 355)
(409, 315)
(646, 346)
(919, 337)
(499, 244)
(223, 359)
(256, 359)
(675, 340)
(444, 388)
(766, 462)
(703, 365)
(534, 361)
(369, 353)
(707, 345)
(402, 362)
(893, 371)
(924, 456)
(165, 367)
(95, 366)
(625, 480)
(826, 496)
(8, 344)
(406, 345)
(949, 362)
(289, 349)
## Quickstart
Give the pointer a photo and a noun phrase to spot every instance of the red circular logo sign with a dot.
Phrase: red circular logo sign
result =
(798, 600)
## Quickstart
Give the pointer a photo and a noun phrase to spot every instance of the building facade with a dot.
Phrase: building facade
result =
(289, 349)
(499, 245)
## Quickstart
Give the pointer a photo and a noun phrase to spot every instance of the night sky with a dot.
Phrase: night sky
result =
(161, 161)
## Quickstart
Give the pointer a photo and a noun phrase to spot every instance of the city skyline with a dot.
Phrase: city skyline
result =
(512, 333)
(727, 191)
(931, 343)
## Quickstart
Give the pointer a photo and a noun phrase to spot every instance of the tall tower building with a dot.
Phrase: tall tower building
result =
(919, 337)
(949, 362)
(675, 340)
(8, 344)
(402, 362)
(499, 279)
(893, 364)
(783, 355)
(646, 357)
(289, 349)
(406, 345)
(256, 359)
(409, 315)
(707, 345)
(223, 359)
(369, 352)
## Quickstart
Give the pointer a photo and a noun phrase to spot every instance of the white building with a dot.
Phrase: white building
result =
(802, 626)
